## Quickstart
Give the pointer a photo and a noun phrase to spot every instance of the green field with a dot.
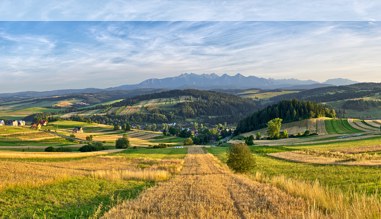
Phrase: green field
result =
(264, 95)
(346, 178)
(339, 126)
(71, 188)
(72, 198)
(153, 153)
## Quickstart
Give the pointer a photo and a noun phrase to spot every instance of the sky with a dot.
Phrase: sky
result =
(51, 45)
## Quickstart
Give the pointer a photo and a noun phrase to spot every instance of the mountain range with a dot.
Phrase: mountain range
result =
(196, 81)
(225, 81)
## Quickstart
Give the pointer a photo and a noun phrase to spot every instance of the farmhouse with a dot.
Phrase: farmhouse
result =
(21, 123)
(78, 130)
(12, 123)
(36, 126)
(43, 122)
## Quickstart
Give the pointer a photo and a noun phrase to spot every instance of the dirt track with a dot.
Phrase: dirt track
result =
(206, 189)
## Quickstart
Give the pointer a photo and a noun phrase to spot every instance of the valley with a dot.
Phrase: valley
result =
(177, 152)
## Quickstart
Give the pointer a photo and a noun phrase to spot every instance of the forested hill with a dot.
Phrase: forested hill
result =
(199, 105)
(288, 110)
(194, 95)
(329, 94)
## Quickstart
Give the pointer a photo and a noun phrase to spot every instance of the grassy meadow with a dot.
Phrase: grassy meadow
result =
(359, 179)
(82, 187)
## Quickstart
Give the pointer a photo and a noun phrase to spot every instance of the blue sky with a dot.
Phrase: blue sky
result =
(56, 55)
(191, 10)
(316, 40)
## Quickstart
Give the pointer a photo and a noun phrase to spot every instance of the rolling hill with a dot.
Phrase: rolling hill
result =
(175, 106)
(358, 100)
(288, 110)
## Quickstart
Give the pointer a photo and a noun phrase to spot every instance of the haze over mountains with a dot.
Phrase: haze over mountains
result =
(225, 81)
(200, 81)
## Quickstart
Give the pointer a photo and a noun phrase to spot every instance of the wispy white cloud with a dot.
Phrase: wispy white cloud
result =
(195, 10)
(103, 54)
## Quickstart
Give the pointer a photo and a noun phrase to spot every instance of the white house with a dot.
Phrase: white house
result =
(21, 123)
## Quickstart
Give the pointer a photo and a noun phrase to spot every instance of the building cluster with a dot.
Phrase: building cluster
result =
(12, 123)
(39, 124)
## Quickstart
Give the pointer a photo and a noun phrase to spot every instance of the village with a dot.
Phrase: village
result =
(22, 123)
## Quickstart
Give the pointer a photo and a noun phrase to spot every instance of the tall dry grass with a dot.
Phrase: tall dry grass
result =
(47, 155)
(33, 174)
(146, 175)
(327, 202)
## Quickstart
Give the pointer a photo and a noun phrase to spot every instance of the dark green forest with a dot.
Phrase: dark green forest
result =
(288, 110)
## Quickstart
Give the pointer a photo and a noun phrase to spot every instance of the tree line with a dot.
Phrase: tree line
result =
(288, 110)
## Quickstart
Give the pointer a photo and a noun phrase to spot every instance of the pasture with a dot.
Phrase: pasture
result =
(264, 95)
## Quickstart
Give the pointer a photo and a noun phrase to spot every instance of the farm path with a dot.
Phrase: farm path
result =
(207, 189)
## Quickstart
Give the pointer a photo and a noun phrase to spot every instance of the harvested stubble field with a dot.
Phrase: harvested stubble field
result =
(206, 189)
(367, 155)
(331, 191)
(66, 185)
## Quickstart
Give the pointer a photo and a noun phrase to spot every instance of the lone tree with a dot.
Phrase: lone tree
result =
(258, 136)
(127, 127)
(89, 138)
(122, 143)
(188, 141)
(273, 128)
(240, 158)
(250, 140)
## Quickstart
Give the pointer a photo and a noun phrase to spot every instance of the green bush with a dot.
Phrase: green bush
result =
(258, 136)
(188, 141)
(160, 146)
(240, 158)
(60, 149)
(50, 149)
(122, 143)
(93, 146)
(284, 134)
(250, 140)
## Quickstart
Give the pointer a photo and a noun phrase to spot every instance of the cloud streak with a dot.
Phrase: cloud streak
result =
(57, 55)
(185, 10)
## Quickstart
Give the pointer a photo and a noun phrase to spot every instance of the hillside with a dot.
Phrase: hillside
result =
(288, 110)
(175, 106)
(357, 100)
(21, 105)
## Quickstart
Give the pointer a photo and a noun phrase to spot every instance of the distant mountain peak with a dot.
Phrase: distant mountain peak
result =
(340, 82)
(215, 81)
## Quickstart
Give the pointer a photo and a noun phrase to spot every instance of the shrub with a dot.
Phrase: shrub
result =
(250, 140)
(188, 141)
(307, 133)
(122, 143)
(93, 146)
(50, 149)
(87, 148)
(72, 138)
(284, 134)
(258, 136)
(60, 149)
(89, 138)
(160, 146)
(240, 158)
